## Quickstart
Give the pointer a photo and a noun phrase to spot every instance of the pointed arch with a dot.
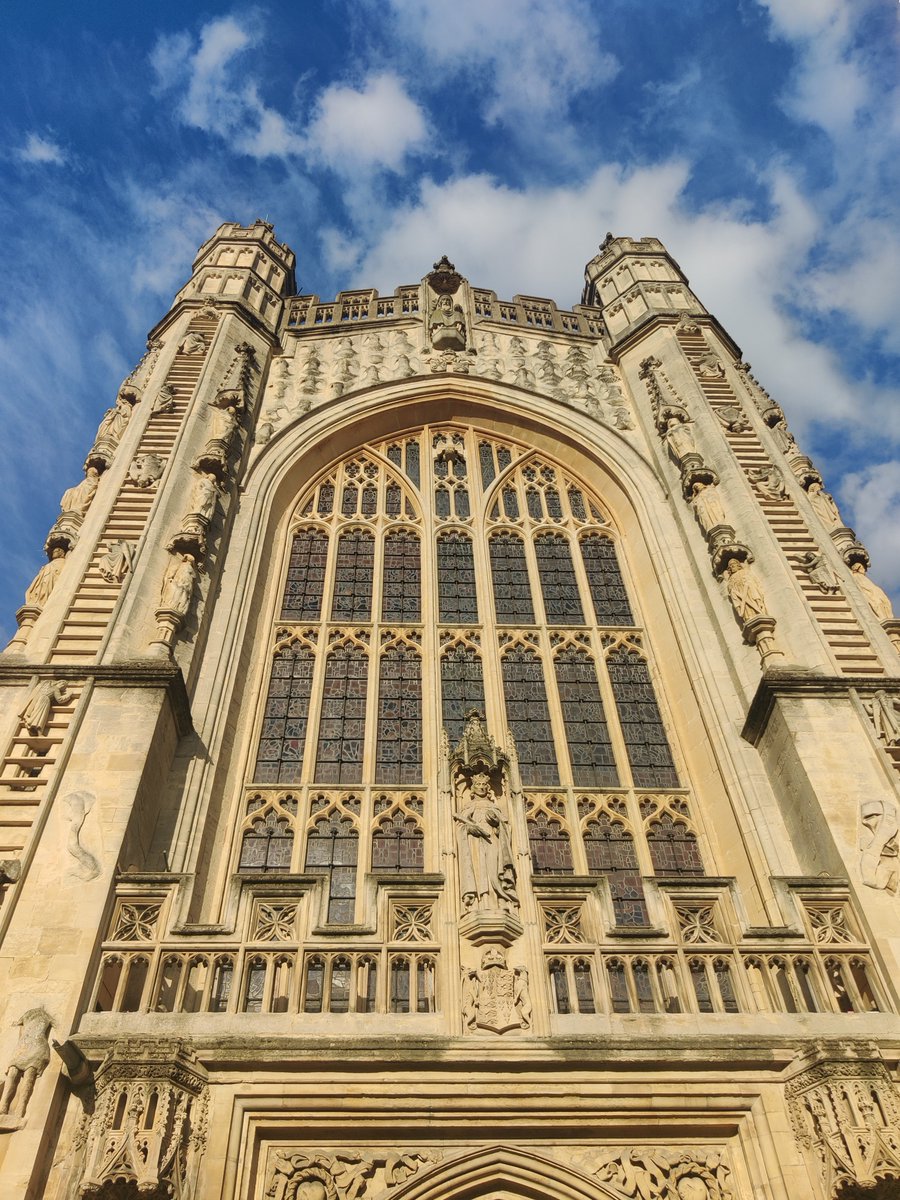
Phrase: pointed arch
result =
(512, 1170)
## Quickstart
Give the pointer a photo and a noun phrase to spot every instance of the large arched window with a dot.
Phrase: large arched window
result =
(439, 572)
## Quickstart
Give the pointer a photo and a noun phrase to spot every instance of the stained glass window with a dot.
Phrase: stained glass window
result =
(398, 757)
(610, 852)
(673, 848)
(402, 592)
(509, 573)
(332, 846)
(528, 716)
(551, 853)
(398, 845)
(305, 577)
(639, 715)
(339, 752)
(604, 578)
(353, 577)
(587, 736)
(280, 755)
(462, 688)
(562, 602)
(267, 845)
(456, 579)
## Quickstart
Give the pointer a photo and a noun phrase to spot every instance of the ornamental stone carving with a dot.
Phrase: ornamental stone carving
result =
(77, 500)
(495, 997)
(769, 482)
(76, 806)
(878, 600)
(884, 711)
(147, 1132)
(749, 604)
(117, 561)
(111, 428)
(447, 327)
(38, 592)
(656, 1174)
(295, 1174)
(824, 506)
(879, 822)
(146, 470)
(846, 1119)
(193, 344)
(732, 417)
(29, 1061)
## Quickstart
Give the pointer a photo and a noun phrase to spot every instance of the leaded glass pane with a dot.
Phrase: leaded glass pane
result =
(645, 737)
(279, 758)
(306, 576)
(402, 592)
(353, 577)
(339, 752)
(610, 851)
(348, 502)
(462, 688)
(442, 502)
(605, 581)
(509, 573)
(412, 461)
(554, 504)
(587, 736)
(398, 758)
(673, 848)
(461, 501)
(332, 845)
(562, 602)
(576, 503)
(326, 499)
(535, 507)
(398, 845)
(528, 717)
(392, 500)
(456, 579)
(551, 853)
(504, 457)
(560, 986)
(267, 845)
(511, 503)
(486, 458)
(584, 987)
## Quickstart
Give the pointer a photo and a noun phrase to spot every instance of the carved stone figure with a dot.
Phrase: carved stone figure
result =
(707, 507)
(732, 418)
(165, 399)
(878, 601)
(769, 482)
(878, 859)
(710, 366)
(296, 1174)
(744, 592)
(447, 325)
(343, 367)
(882, 707)
(28, 1063)
(679, 439)
(146, 470)
(486, 864)
(117, 561)
(686, 324)
(77, 806)
(77, 500)
(37, 709)
(223, 423)
(823, 504)
(113, 423)
(10, 871)
(518, 364)
(204, 495)
(546, 369)
(194, 343)
(38, 592)
(819, 572)
(496, 997)
(178, 584)
(313, 374)
(784, 438)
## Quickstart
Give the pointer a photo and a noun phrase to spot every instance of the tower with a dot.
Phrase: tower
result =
(451, 750)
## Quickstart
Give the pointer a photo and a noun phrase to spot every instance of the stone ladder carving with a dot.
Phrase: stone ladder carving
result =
(28, 768)
(82, 632)
(833, 613)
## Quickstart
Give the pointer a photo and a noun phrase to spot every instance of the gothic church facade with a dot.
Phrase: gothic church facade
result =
(451, 750)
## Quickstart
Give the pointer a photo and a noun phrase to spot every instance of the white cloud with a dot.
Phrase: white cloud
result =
(217, 96)
(873, 495)
(527, 60)
(374, 126)
(39, 149)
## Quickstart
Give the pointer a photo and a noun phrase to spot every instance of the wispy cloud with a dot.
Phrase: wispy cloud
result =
(376, 125)
(41, 150)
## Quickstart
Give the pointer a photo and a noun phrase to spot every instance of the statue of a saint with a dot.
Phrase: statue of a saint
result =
(708, 506)
(770, 483)
(178, 584)
(78, 499)
(744, 592)
(117, 561)
(194, 343)
(879, 602)
(680, 439)
(824, 505)
(223, 424)
(113, 423)
(39, 705)
(38, 593)
(204, 495)
(882, 708)
(486, 866)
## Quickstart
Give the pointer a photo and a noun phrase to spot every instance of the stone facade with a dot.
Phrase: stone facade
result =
(452, 748)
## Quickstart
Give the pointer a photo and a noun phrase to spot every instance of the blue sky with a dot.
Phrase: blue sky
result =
(760, 139)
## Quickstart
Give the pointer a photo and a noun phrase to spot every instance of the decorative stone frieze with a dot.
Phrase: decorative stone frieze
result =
(654, 1173)
(295, 1174)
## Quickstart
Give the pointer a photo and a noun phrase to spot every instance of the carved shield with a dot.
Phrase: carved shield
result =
(497, 1000)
